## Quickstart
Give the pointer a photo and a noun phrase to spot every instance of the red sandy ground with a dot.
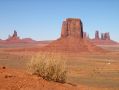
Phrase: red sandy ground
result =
(12, 79)
(19, 79)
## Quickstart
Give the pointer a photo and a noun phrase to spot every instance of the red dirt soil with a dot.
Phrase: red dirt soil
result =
(14, 79)
(11, 79)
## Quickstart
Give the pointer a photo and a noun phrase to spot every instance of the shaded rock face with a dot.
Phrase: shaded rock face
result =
(97, 35)
(72, 27)
(84, 35)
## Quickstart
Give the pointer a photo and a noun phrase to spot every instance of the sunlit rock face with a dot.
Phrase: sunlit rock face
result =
(72, 27)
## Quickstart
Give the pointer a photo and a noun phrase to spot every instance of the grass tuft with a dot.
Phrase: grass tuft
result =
(49, 67)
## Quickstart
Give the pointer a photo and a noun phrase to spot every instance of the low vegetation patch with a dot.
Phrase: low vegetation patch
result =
(49, 67)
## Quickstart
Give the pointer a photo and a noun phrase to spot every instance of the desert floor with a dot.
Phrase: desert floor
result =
(86, 71)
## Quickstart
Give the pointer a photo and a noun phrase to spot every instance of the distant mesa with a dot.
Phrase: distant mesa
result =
(14, 38)
(72, 39)
(28, 40)
(103, 39)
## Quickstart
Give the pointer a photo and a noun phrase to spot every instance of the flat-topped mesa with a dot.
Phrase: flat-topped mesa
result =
(72, 27)
(97, 35)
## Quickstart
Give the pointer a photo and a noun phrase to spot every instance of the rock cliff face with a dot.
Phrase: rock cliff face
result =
(72, 28)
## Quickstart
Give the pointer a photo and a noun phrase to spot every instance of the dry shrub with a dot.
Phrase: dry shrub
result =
(49, 66)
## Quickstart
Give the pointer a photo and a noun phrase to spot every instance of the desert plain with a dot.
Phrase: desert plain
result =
(90, 67)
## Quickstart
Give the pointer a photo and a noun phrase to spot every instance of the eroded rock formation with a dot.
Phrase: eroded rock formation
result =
(97, 35)
(102, 36)
(72, 39)
(105, 36)
(104, 40)
(14, 37)
(72, 28)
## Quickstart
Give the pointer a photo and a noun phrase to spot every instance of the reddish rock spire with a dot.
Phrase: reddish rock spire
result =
(72, 27)
(102, 36)
(105, 36)
(97, 35)
(15, 33)
(14, 37)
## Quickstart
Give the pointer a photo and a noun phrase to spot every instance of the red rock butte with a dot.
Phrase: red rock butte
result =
(72, 39)
(72, 27)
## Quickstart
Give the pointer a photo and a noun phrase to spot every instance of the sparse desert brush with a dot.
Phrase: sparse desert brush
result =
(49, 66)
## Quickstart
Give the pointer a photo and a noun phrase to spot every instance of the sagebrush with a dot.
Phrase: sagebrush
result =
(49, 66)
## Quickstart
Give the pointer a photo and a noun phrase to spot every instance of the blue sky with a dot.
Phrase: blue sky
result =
(42, 19)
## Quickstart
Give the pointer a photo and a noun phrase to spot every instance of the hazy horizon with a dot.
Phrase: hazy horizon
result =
(42, 20)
